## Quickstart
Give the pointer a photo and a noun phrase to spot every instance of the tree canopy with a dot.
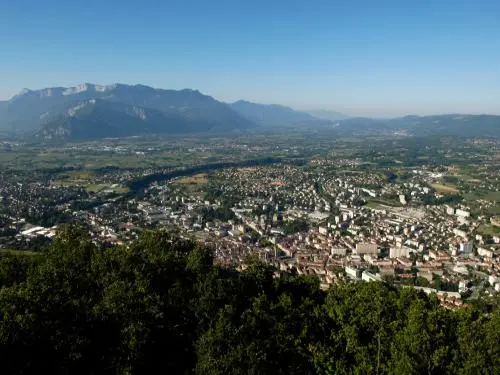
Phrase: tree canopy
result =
(159, 305)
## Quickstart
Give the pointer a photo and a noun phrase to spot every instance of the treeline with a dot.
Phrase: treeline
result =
(294, 226)
(161, 306)
(223, 213)
(446, 199)
(49, 217)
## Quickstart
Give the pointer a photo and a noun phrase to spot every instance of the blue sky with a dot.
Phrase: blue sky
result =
(373, 57)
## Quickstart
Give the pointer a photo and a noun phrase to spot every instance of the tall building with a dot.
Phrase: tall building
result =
(367, 248)
(399, 252)
(466, 247)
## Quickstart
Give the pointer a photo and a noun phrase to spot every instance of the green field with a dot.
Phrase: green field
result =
(197, 179)
(18, 252)
(376, 202)
(445, 189)
(491, 196)
(373, 204)
(489, 229)
(90, 187)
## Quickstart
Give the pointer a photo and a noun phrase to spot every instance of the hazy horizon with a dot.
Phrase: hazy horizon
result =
(352, 112)
(383, 59)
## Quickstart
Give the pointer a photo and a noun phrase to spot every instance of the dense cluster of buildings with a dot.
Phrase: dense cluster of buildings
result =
(338, 226)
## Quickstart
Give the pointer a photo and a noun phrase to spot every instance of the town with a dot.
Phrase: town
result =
(334, 210)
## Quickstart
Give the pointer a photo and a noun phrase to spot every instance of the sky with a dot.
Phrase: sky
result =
(360, 57)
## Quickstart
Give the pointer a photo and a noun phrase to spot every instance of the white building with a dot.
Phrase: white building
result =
(352, 272)
(32, 231)
(399, 252)
(462, 286)
(493, 279)
(402, 199)
(462, 213)
(367, 248)
(368, 276)
(466, 247)
(485, 252)
(369, 192)
(459, 233)
(338, 251)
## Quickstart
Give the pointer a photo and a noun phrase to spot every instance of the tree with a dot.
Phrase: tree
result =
(14, 268)
(295, 226)
(426, 344)
(160, 305)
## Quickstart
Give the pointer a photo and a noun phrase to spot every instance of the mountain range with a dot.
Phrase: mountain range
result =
(90, 111)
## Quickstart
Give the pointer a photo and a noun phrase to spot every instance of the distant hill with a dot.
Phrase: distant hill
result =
(452, 124)
(32, 110)
(272, 114)
(328, 115)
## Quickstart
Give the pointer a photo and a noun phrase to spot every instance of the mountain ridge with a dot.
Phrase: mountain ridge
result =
(41, 111)
(327, 114)
(272, 114)
(31, 110)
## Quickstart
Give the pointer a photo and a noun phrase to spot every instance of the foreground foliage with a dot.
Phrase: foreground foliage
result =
(160, 306)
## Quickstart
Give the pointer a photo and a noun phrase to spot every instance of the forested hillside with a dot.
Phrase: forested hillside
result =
(160, 306)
